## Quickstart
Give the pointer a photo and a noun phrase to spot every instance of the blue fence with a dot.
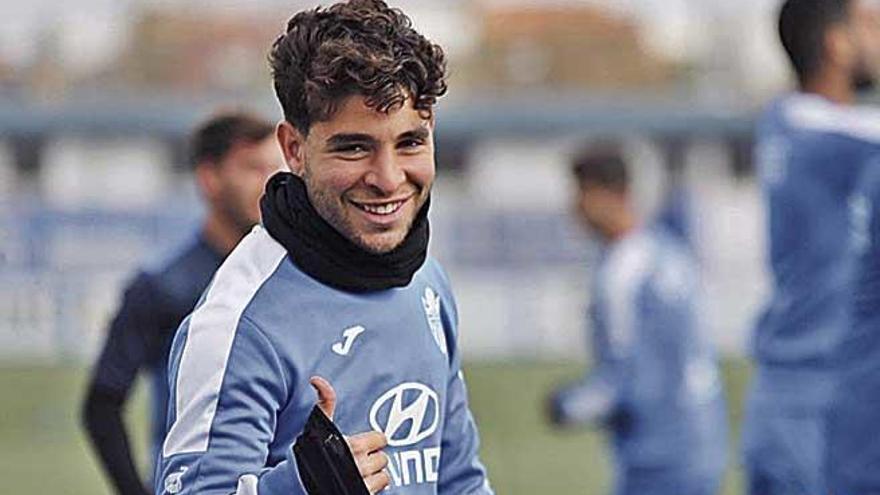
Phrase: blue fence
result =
(61, 271)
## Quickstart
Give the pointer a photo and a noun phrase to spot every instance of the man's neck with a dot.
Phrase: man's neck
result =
(831, 86)
(624, 226)
(220, 235)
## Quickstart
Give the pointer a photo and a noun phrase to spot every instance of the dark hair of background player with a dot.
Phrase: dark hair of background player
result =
(359, 47)
(601, 165)
(214, 137)
(803, 25)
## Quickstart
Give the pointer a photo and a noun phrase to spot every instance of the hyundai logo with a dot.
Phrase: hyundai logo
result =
(406, 414)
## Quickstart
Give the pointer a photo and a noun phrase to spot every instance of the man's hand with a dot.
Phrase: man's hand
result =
(365, 447)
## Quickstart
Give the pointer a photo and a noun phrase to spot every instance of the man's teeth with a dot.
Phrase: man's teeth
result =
(383, 209)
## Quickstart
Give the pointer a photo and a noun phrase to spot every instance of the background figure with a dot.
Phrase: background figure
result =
(655, 381)
(233, 155)
(810, 152)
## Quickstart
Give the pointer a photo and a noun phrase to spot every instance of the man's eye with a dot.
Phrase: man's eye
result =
(411, 143)
(352, 149)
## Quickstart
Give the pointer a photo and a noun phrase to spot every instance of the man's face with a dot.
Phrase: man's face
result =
(597, 206)
(367, 173)
(240, 178)
(865, 28)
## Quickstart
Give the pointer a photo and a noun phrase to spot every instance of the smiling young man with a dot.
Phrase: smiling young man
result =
(335, 284)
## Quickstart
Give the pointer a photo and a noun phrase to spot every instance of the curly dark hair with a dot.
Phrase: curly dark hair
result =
(356, 47)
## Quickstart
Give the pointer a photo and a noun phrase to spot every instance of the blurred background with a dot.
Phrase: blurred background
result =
(97, 98)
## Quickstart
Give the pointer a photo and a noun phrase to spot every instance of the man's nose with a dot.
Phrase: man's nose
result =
(385, 174)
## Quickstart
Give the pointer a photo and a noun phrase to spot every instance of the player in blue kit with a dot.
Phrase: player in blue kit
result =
(812, 146)
(234, 154)
(336, 283)
(654, 382)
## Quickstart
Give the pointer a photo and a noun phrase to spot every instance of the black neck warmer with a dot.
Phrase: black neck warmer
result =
(322, 252)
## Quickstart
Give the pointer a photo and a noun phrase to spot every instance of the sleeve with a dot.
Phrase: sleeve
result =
(596, 399)
(461, 472)
(600, 397)
(227, 388)
(592, 400)
(126, 349)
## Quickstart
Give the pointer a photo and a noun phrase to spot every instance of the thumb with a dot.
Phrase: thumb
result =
(326, 395)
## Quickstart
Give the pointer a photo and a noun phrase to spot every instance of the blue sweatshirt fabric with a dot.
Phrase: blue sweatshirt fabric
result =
(241, 362)
(854, 453)
(810, 154)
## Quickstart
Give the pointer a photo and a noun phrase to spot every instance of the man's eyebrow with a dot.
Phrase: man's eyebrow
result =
(421, 132)
(348, 138)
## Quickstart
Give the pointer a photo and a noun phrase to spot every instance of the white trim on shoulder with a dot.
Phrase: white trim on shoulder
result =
(212, 329)
(816, 113)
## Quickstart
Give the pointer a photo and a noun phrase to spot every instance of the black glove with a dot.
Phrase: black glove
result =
(326, 465)
(553, 409)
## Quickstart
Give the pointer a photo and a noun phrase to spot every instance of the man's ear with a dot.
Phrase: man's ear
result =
(292, 144)
(839, 46)
(208, 181)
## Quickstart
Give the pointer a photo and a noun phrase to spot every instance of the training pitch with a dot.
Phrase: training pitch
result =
(42, 449)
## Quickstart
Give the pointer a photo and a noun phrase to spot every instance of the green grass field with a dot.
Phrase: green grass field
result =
(42, 449)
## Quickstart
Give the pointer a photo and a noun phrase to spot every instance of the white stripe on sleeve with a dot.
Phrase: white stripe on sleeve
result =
(212, 330)
(627, 268)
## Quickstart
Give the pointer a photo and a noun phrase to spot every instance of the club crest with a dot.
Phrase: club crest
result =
(431, 305)
(173, 482)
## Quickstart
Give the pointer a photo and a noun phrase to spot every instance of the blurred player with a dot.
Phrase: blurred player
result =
(655, 383)
(336, 284)
(812, 146)
(233, 154)
(853, 451)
